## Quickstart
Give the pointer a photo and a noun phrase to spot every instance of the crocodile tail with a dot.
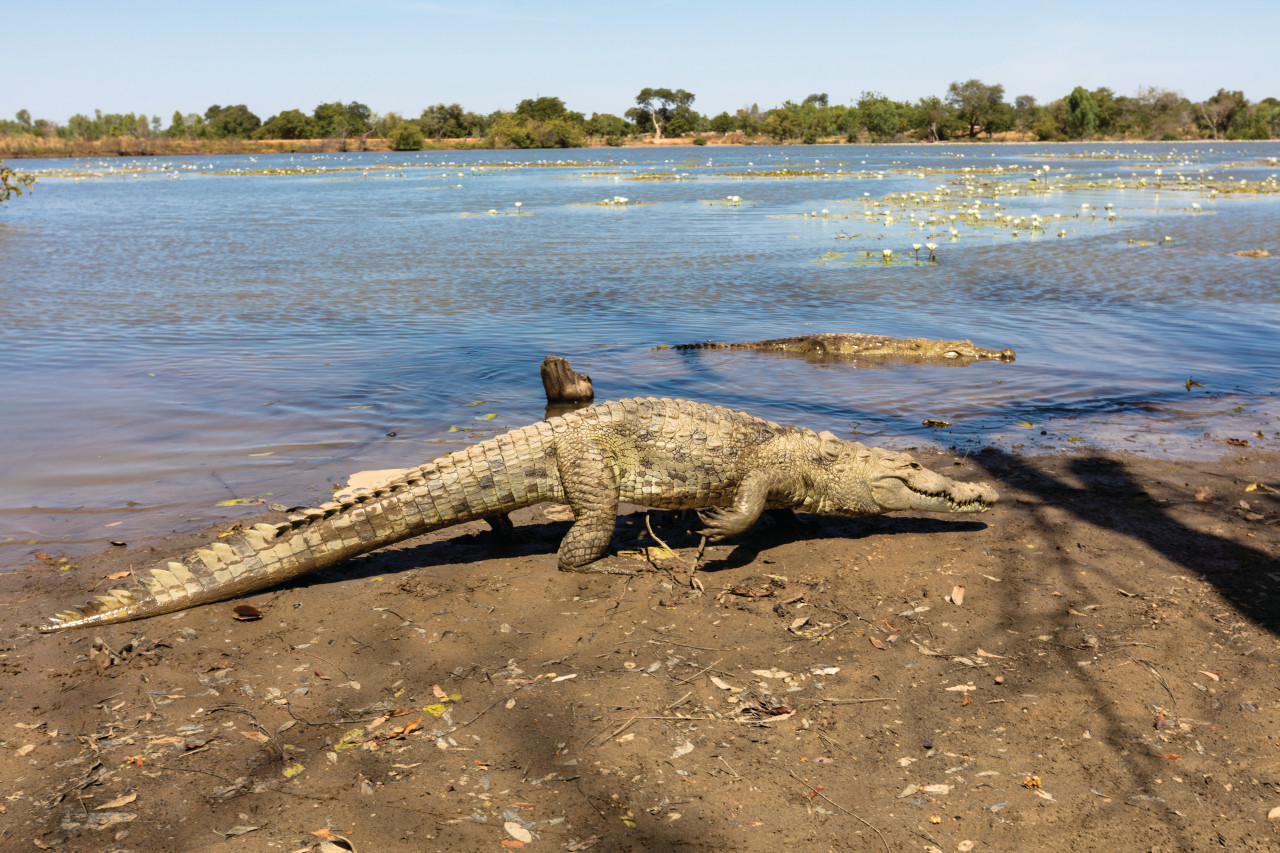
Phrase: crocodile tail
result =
(490, 478)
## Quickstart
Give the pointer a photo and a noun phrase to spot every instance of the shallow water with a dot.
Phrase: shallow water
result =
(194, 330)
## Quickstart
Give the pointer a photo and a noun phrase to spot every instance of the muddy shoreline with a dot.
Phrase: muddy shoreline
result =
(1090, 666)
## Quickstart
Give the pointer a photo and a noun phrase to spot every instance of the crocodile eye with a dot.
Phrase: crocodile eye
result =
(915, 466)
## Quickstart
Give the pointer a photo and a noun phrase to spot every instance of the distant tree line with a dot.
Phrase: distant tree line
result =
(968, 110)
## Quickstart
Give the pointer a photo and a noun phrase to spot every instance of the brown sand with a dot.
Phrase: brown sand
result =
(1107, 680)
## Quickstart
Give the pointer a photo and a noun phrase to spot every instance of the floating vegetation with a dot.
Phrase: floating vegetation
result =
(659, 176)
(781, 173)
(873, 258)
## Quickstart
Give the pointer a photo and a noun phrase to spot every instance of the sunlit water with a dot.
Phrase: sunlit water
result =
(187, 331)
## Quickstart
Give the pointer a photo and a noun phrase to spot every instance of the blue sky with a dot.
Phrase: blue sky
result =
(61, 58)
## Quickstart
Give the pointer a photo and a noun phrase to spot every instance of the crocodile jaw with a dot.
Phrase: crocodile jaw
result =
(898, 482)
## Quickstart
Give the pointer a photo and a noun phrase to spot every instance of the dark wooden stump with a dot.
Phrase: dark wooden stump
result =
(563, 384)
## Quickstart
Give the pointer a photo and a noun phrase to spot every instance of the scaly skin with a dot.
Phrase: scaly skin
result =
(670, 454)
(878, 346)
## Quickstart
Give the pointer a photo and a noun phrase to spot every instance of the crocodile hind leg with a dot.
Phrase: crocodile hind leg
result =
(591, 488)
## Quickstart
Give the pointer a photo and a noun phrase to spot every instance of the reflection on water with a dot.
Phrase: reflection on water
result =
(185, 332)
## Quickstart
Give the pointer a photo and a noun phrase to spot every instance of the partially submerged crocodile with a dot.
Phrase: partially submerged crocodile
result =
(879, 346)
(671, 454)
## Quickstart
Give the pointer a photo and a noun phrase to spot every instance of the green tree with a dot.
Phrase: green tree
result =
(607, 124)
(545, 108)
(556, 133)
(1108, 110)
(722, 123)
(1219, 112)
(780, 125)
(290, 124)
(24, 119)
(405, 136)
(664, 110)
(933, 119)
(1082, 114)
(878, 115)
(506, 131)
(450, 121)
(1153, 113)
(80, 126)
(1002, 118)
(11, 183)
(338, 120)
(975, 102)
(1026, 112)
(234, 122)
(749, 119)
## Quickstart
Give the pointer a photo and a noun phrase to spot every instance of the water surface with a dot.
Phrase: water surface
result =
(186, 331)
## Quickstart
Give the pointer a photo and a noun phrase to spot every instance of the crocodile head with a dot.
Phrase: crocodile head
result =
(870, 480)
(969, 351)
(897, 482)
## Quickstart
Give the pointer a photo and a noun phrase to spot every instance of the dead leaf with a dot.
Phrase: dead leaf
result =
(1238, 442)
(957, 595)
(876, 642)
(247, 612)
(239, 830)
(256, 736)
(401, 732)
(115, 576)
(117, 802)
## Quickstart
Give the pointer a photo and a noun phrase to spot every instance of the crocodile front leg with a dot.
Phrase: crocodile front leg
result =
(755, 492)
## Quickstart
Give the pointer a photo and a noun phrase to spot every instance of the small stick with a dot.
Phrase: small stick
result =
(840, 807)
(699, 672)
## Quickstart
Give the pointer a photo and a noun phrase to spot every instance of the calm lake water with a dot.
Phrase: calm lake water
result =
(187, 331)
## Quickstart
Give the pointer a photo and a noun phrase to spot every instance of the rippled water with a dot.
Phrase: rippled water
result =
(192, 330)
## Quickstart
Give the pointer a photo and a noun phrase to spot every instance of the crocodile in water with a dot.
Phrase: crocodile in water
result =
(876, 346)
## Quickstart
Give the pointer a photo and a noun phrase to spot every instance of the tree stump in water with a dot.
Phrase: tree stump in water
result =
(563, 384)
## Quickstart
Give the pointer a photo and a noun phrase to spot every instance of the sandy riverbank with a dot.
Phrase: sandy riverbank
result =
(1106, 680)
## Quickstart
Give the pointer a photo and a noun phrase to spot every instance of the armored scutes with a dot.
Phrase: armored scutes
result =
(671, 454)
(874, 346)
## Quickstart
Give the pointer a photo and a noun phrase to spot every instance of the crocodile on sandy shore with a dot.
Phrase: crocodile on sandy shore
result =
(877, 346)
(669, 454)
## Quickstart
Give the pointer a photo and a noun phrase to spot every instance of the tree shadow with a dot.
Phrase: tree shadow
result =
(1108, 486)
